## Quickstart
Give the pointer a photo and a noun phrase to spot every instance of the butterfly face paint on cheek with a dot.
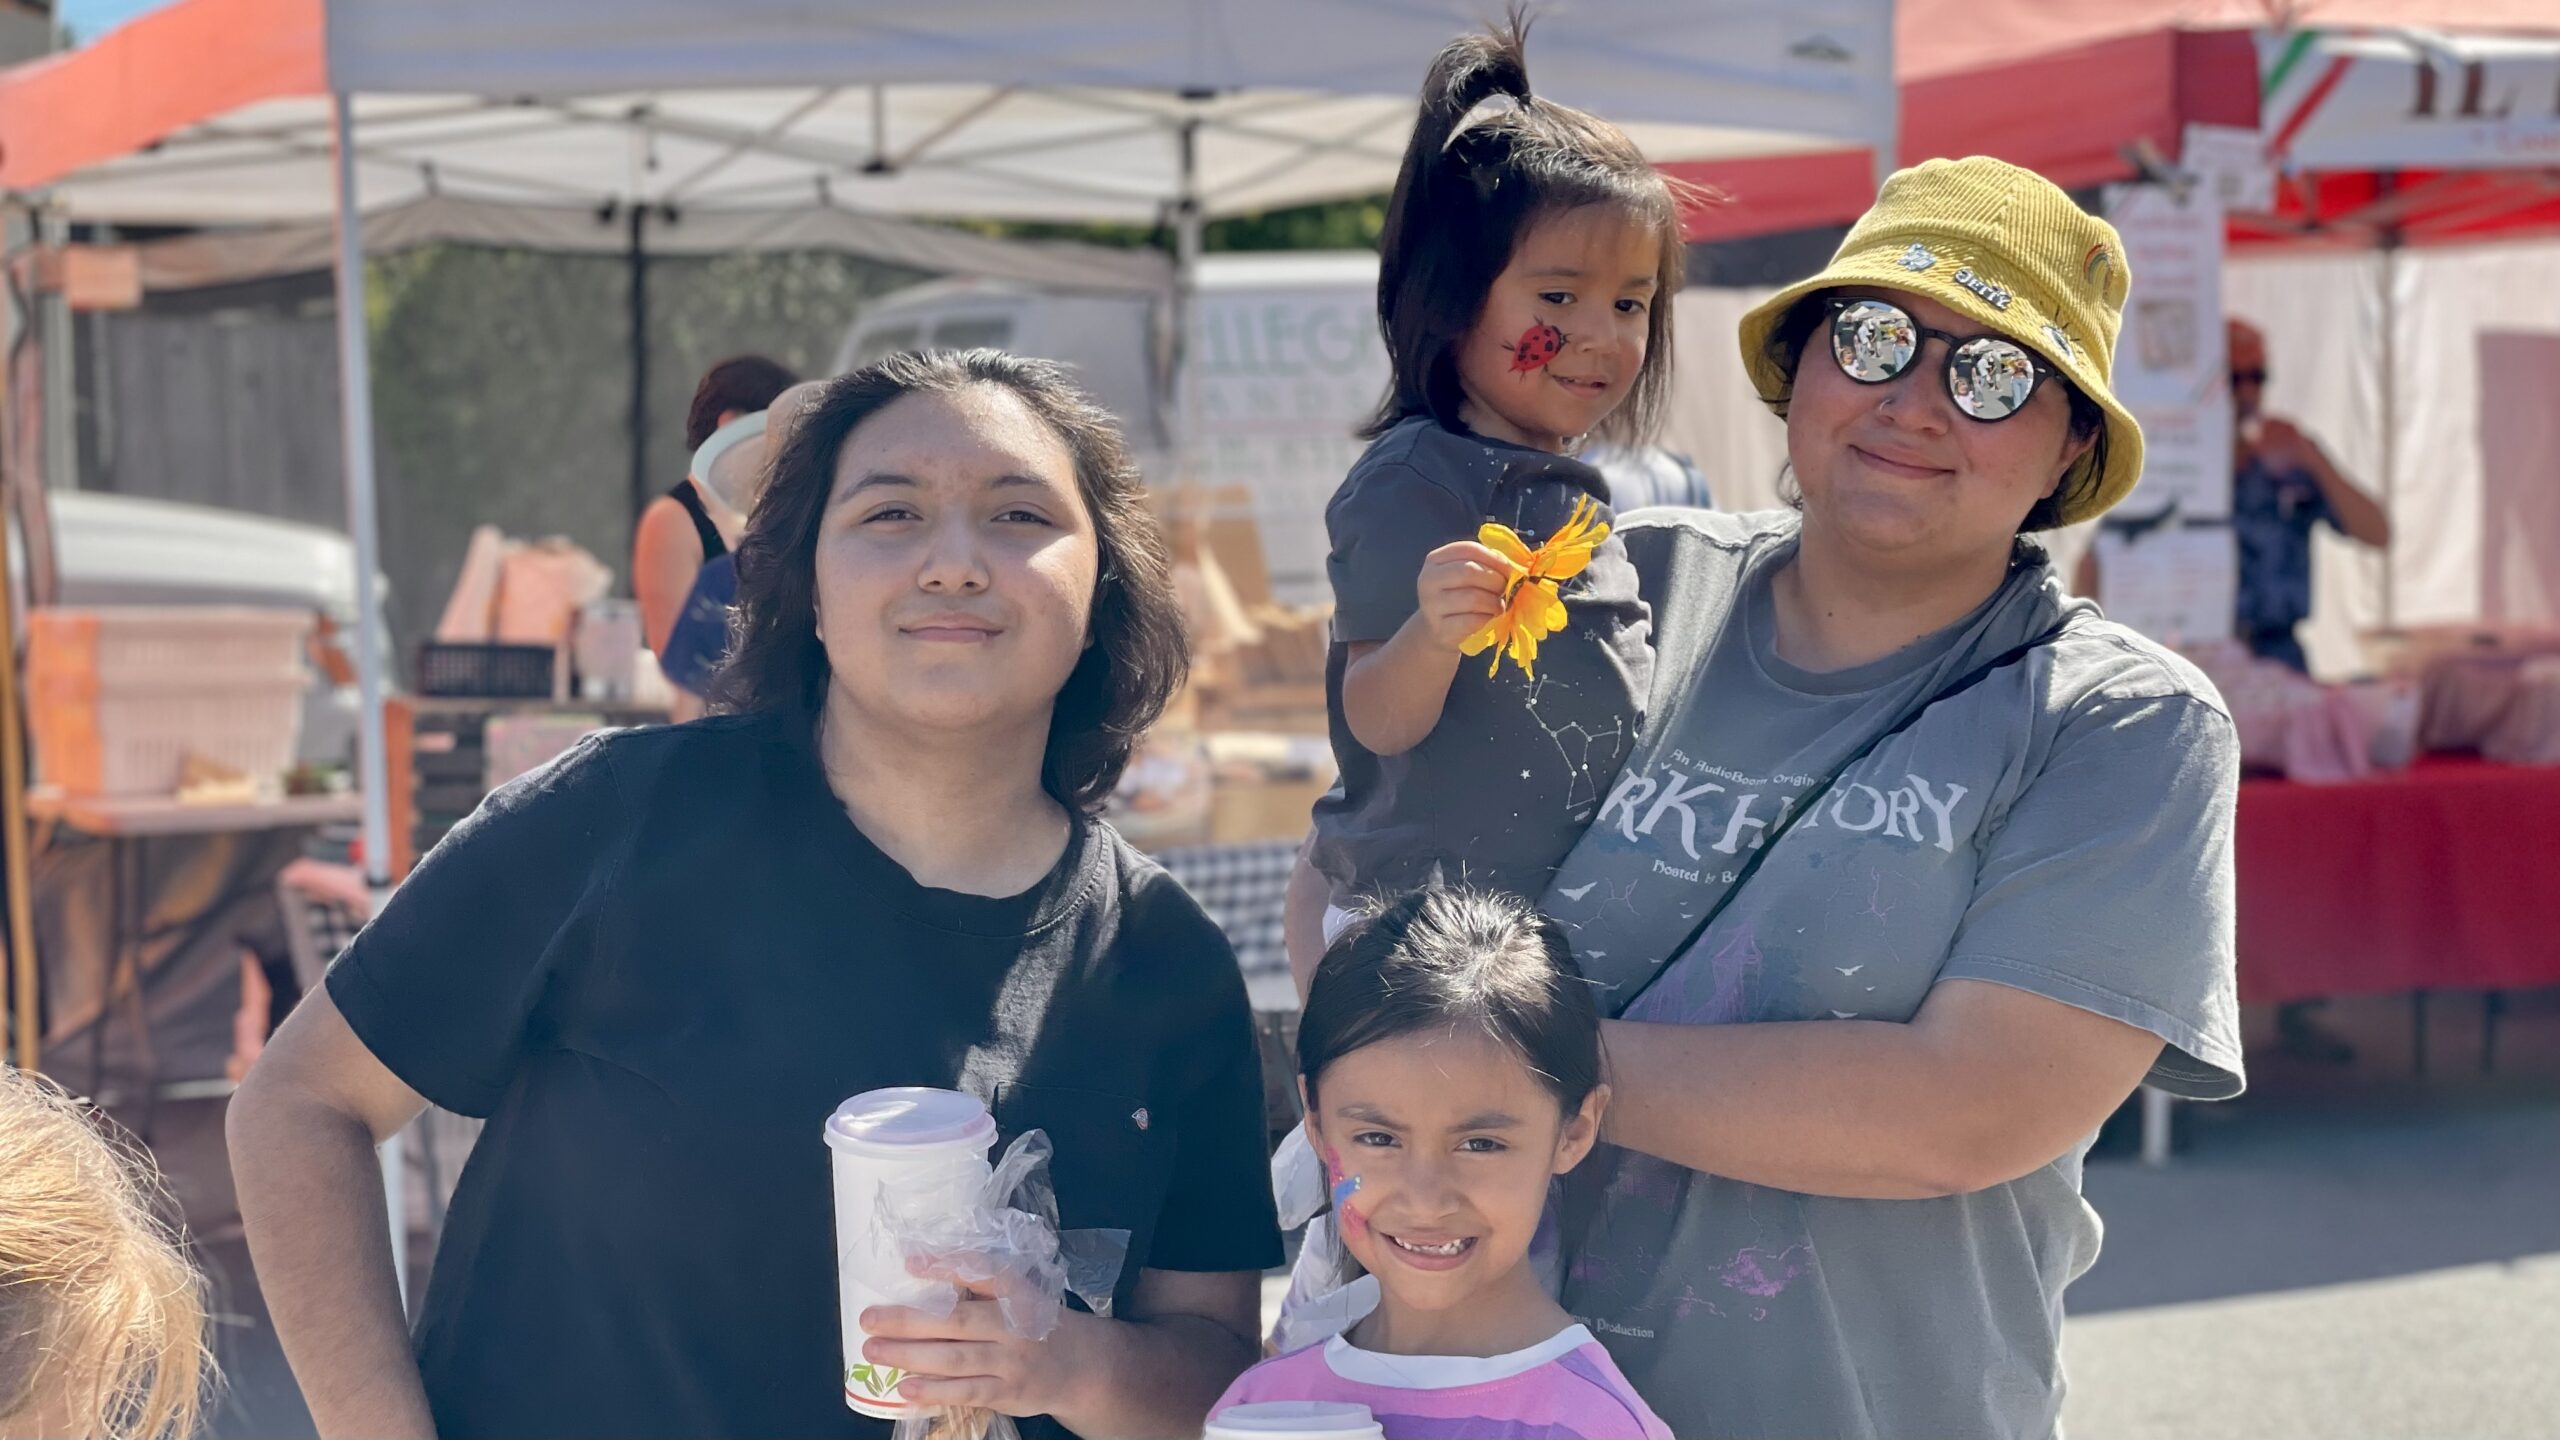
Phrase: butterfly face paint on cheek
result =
(1345, 1185)
(1537, 346)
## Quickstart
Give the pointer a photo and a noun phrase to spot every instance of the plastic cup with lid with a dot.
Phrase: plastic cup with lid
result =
(1297, 1419)
(920, 1150)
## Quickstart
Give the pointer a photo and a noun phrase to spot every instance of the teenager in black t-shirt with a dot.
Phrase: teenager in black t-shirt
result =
(658, 964)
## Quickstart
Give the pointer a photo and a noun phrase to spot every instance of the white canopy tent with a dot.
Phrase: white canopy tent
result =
(259, 112)
(1128, 110)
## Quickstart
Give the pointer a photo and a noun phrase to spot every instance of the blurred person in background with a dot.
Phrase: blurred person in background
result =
(1644, 476)
(677, 534)
(102, 1316)
(2283, 486)
(698, 643)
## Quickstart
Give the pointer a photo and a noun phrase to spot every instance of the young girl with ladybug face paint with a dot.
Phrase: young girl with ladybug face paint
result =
(1524, 286)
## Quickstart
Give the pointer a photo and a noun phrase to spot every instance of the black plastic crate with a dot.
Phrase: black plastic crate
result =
(499, 672)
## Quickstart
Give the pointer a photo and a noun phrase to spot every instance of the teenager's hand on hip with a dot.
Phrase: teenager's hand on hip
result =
(1460, 588)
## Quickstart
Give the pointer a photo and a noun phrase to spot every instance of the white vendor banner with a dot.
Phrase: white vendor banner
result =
(2169, 361)
(2409, 100)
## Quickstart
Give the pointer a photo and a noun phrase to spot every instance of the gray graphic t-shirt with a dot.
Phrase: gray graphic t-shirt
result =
(2063, 827)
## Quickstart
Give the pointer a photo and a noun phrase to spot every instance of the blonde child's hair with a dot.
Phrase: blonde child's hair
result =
(102, 1315)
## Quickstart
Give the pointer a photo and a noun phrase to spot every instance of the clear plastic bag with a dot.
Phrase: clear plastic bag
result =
(1329, 1292)
(1009, 1244)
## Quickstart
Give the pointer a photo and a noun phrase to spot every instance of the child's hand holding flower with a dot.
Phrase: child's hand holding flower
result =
(1461, 588)
(1530, 609)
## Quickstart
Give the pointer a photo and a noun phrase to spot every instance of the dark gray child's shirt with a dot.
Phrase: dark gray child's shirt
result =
(1506, 782)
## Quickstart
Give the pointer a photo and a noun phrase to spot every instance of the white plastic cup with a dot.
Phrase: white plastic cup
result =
(1298, 1419)
(927, 1150)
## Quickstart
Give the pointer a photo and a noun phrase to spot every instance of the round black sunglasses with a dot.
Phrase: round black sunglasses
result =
(1989, 377)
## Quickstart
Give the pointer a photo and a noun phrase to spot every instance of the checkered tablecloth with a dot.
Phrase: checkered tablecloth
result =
(333, 929)
(1242, 886)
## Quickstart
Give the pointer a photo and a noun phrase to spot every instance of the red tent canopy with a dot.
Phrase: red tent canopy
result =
(2410, 138)
(2069, 116)
(2357, 209)
(2077, 89)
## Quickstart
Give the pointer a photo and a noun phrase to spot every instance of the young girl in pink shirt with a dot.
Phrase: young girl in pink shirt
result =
(1449, 1058)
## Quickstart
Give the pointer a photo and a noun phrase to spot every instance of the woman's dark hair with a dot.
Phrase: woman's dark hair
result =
(743, 383)
(1136, 658)
(1784, 350)
(1448, 956)
(1465, 198)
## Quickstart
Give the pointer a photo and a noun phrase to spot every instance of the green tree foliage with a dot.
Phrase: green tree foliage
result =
(502, 389)
(502, 379)
(1338, 225)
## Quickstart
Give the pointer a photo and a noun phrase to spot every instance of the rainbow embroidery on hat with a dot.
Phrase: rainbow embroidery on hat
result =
(1992, 295)
(2098, 267)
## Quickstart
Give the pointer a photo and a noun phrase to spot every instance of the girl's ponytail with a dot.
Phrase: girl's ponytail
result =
(1469, 71)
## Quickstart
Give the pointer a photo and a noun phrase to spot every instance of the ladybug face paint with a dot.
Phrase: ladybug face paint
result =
(1537, 346)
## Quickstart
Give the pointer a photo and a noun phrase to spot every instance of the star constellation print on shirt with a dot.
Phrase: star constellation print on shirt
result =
(1590, 756)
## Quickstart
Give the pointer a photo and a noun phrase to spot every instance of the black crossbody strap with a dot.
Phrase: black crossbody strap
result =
(1813, 796)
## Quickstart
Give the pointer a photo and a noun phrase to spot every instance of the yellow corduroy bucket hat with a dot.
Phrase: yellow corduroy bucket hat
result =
(2005, 248)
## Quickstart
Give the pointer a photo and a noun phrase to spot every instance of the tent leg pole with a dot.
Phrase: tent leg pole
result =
(355, 400)
(60, 393)
(1186, 281)
(26, 1037)
(2390, 478)
(636, 256)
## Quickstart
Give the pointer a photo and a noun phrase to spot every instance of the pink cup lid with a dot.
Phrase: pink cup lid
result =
(910, 1117)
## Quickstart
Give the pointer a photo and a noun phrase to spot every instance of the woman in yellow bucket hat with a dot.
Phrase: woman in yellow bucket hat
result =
(1919, 864)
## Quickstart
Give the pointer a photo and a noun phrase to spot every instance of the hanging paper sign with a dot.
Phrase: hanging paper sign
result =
(2169, 361)
(2176, 584)
(2231, 162)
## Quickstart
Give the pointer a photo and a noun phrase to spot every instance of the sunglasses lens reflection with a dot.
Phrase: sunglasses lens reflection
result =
(1873, 341)
(1991, 379)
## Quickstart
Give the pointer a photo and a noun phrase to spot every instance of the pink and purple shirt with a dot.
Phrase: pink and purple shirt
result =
(1564, 1388)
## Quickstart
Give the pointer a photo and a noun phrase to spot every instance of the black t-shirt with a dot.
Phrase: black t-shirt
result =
(656, 966)
(1508, 780)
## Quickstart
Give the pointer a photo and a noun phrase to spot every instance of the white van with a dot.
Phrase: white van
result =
(1288, 361)
(1285, 353)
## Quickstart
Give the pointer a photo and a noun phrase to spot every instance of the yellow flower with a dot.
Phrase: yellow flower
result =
(1531, 608)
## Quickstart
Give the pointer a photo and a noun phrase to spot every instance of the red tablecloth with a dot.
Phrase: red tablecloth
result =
(2446, 874)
